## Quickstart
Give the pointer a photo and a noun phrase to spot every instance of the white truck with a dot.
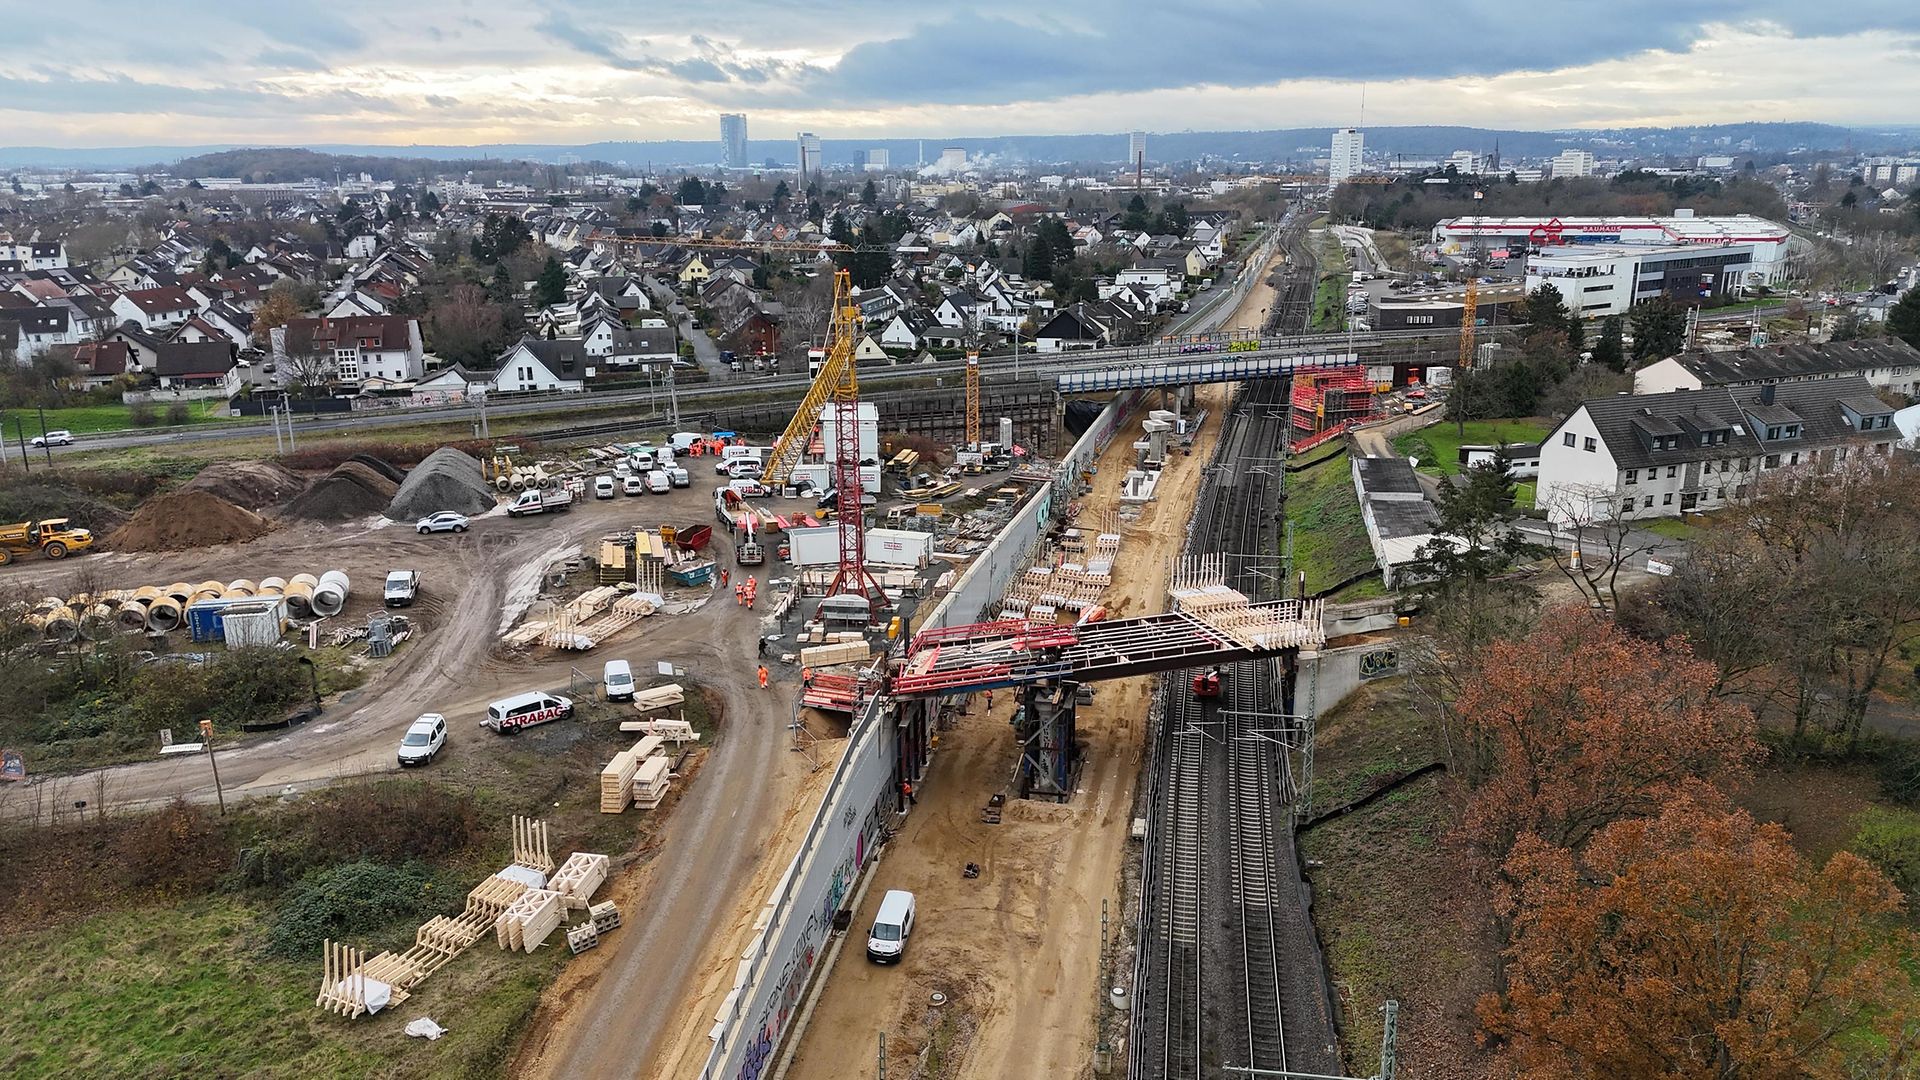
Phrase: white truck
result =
(401, 588)
(541, 501)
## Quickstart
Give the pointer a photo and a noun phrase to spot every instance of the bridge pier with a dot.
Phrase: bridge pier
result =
(1049, 743)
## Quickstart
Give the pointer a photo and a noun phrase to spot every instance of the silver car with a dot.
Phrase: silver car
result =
(444, 521)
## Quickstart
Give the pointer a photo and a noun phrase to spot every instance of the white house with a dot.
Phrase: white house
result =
(384, 347)
(1159, 281)
(1661, 455)
(357, 302)
(449, 386)
(1887, 363)
(535, 365)
(155, 309)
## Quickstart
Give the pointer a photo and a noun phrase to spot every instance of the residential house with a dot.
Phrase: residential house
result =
(1194, 263)
(1659, 455)
(1394, 509)
(99, 363)
(868, 351)
(191, 370)
(384, 347)
(1887, 363)
(448, 386)
(1071, 330)
(906, 331)
(360, 301)
(156, 309)
(536, 365)
(958, 310)
(43, 329)
(694, 270)
(641, 348)
(1161, 281)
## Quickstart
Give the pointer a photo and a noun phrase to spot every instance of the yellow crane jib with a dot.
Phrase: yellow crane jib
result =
(836, 380)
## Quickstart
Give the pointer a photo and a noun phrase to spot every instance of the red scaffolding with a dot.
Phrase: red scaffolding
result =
(1325, 404)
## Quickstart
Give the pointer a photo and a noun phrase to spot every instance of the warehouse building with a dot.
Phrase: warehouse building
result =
(1767, 239)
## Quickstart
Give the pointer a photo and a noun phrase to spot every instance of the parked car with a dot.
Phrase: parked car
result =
(603, 487)
(444, 521)
(510, 714)
(56, 437)
(892, 926)
(402, 586)
(632, 484)
(423, 739)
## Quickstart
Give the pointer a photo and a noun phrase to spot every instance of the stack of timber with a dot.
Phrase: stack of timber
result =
(659, 697)
(673, 731)
(651, 782)
(616, 783)
(845, 652)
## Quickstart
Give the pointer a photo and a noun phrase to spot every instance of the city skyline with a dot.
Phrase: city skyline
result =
(574, 71)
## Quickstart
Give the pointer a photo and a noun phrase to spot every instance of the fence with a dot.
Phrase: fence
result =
(773, 973)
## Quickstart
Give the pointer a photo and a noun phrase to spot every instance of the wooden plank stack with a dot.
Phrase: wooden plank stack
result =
(578, 877)
(616, 783)
(659, 697)
(673, 731)
(650, 783)
(527, 924)
(846, 652)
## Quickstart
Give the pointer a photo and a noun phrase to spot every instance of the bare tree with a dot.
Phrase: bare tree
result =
(311, 368)
(1589, 544)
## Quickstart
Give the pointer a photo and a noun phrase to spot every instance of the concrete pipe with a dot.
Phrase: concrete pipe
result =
(131, 615)
(272, 586)
(60, 625)
(179, 590)
(519, 482)
(97, 621)
(204, 594)
(163, 615)
(242, 587)
(330, 596)
(501, 482)
(299, 596)
(303, 579)
(146, 594)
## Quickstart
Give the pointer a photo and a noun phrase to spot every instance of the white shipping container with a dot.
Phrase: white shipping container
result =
(814, 547)
(899, 547)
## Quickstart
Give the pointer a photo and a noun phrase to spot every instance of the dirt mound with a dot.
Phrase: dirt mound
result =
(446, 480)
(247, 484)
(381, 467)
(352, 490)
(188, 518)
(34, 498)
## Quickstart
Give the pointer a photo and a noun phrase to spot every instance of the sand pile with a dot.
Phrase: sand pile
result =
(352, 490)
(381, 467)
(247, 484)
(188, 518)
(446, 480)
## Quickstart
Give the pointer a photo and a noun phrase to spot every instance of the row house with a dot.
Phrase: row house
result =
(1634, 456)
(360, 349)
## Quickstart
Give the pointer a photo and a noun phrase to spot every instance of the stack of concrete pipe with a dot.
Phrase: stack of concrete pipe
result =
(158, 610)
(330, 594)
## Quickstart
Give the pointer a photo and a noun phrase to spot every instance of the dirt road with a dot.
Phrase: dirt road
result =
(1018, 949)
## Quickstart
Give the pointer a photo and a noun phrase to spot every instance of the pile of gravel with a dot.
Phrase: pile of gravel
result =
(446, 480)
(352, 490)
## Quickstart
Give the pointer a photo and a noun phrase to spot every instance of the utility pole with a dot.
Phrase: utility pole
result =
(20, 429)
(206, 734)
(273, 417)
(46, 444)
(286, 401)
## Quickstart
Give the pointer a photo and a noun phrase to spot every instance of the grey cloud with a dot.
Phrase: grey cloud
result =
(120, 94)
(441, 101)
(289, 59)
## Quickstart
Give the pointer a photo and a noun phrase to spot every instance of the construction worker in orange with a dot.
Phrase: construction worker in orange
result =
(806, 676)
(723, 577)
(989, 701)
(906, 789)
(763, 676)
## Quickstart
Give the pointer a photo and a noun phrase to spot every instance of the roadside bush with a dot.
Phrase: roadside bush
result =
(392, 821)
(143, 414)
(1898, 770)
(352, 901)
(1890, 840)
(233, 687)
(177, 413)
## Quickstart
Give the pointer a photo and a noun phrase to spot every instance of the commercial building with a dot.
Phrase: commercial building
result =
(953, 158)
(1348, 145)
(733, 140)
(1633, 456)
(877, 159)
(809, 155)
(1136, 149)
(1769, 240)
(1573, 163)
(1596, 282)
(1887, 170)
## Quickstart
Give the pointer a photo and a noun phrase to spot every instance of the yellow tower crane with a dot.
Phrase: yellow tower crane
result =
(836, 381)
(1469, 315)
(973, 401)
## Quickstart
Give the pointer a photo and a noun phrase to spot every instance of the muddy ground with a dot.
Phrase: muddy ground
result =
(1017, 951)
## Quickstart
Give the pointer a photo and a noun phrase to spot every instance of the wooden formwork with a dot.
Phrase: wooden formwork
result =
(530, 845)
(344, 978)
(578, 878)
(651, 783)
(526, 925)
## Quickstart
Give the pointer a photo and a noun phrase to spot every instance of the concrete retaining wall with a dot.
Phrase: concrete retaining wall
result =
(1332, 675)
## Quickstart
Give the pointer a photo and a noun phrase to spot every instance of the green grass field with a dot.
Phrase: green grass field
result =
(186, 992)
(1438, 446)
(94, 419)
(1329, 538)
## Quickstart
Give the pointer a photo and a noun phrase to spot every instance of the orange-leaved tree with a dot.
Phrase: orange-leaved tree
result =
(1698, 944)
(1580, 725)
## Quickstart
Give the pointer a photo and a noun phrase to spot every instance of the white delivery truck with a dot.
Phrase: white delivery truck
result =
(617, 676)
(603, 487)
(891, 927)
(731, 454)
(541, 501)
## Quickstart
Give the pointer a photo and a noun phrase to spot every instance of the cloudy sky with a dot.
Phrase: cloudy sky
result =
(118, 72)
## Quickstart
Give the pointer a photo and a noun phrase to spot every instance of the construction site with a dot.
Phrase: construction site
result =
(1064, 701)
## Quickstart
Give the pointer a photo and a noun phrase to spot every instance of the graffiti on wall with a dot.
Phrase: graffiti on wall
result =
(1379, 663)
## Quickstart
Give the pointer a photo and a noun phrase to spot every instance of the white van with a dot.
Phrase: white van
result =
(603, 487)
(640, 460)
(632, 484)
(731, 454)
(746, 488)
(663, 458)
(618, 679)
(891, 927)
(510, 714)
(683, 441)
(658, 482)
